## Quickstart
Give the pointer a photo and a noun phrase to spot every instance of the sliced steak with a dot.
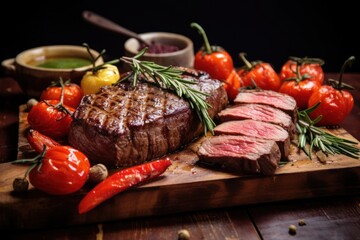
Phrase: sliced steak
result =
(241, 153)
(124, 125)
(258, 112)
(258, 129)
(275, 99)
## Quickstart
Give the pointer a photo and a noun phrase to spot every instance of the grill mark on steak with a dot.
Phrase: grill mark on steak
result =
(258, 129)
(241, 153)
(125, 125)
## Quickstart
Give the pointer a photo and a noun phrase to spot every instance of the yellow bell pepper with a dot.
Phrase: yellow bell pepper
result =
(93, 81)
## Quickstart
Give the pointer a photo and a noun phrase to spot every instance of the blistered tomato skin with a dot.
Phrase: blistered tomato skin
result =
(301, 91)
(334, 105)
(335, 101)
(72, 94)
(315, 70)
(50, 120)
(219, 65)
(63, 170)
(301, 77)
(262, 73)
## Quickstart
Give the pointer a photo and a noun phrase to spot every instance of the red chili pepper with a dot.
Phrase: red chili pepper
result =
(38, 140)
(121, 181)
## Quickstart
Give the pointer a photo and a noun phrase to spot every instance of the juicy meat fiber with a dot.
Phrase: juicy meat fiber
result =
(275, 99)
(241, 153)
(258, 112)
(124, 125)
(257, 129)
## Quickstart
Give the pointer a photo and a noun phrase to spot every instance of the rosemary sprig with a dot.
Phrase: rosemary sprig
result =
(317, 138)
(168, 77)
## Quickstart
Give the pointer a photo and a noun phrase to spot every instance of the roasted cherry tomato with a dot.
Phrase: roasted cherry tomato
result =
(232, 85)
(38, 140)
(122, 180)
(300, 91)
(301, 78)
(263, 74)
(305, 67)
(335, 101)
(72, 93)
(58, 170)
(215, 61)
(51, 118)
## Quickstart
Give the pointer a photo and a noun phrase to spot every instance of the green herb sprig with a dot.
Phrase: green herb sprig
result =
(317, 138)
(168, 77)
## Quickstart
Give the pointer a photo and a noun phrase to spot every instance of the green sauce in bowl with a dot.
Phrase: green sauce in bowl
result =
(64, 63)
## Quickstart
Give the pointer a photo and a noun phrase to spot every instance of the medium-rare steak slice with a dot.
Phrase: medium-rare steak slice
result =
(124, 125)
(259, 112)
(275, 99)
(253, 128)
(241, 153)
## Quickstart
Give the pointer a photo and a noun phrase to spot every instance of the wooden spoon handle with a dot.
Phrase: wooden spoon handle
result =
(109, 25)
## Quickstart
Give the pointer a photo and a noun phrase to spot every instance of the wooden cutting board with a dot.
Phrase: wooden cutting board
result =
(185, 186)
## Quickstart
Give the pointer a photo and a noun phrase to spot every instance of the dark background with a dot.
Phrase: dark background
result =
(266, 30)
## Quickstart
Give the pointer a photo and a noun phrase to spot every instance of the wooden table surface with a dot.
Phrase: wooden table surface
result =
(336, 217)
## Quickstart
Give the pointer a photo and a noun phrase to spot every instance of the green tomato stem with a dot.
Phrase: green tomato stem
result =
(348, 62)
(243, 58)
(201, 31)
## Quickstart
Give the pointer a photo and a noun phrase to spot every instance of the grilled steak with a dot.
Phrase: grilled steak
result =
(124, 125)
(241, 153)
(257, 129)
(258, 112)
(275, 99)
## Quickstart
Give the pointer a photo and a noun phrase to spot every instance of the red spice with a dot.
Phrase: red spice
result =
(156, 48)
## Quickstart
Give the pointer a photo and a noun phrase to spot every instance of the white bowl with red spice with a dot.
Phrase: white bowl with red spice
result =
(164, 48)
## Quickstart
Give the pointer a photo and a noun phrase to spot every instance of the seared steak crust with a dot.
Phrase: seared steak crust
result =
(124, 125)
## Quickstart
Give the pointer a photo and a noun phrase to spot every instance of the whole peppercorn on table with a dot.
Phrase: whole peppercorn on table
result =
(331, 217)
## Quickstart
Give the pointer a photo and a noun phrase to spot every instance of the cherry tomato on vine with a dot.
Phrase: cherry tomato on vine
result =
(335, 101)
(300, 91)
(72, 93)
(216, 62)
(262, 73)
(59, 170)
(308, 67)
(301, 78)
(51, 118)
